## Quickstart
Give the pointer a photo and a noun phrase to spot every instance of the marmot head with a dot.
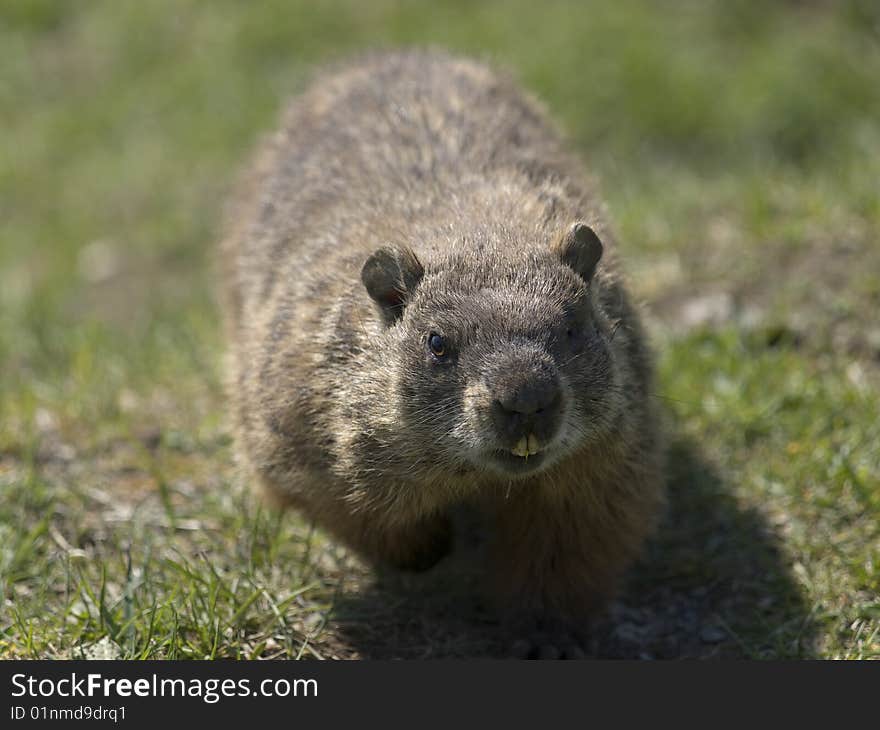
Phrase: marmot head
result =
(500, 365)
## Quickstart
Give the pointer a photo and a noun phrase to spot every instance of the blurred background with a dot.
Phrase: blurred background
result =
(737, 144)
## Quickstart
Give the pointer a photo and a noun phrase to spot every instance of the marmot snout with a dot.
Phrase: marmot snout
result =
(424, 310)
(527, 405)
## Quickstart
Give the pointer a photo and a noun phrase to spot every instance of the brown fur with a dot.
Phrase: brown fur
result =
(461, 181)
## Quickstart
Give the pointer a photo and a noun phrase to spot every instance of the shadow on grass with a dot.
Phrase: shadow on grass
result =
(713, 583)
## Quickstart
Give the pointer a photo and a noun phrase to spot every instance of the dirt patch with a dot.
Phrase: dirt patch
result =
(817, 294)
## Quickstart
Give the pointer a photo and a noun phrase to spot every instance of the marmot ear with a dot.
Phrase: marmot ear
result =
(580, 248)
(390, 275)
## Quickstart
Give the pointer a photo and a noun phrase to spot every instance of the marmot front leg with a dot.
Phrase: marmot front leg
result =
(414, 546)
(416, 542)
(557, 559)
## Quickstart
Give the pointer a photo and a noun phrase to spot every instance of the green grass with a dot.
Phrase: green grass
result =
(738, 146)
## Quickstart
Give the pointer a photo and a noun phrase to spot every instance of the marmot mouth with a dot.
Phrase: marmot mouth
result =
(514, 463)
(526, 446)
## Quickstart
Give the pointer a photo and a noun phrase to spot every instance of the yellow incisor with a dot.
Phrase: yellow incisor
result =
(526, 447)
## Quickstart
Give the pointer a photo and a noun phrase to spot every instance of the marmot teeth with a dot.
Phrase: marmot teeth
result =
(526, 447)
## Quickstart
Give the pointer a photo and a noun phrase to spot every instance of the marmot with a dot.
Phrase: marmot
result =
(424, 311)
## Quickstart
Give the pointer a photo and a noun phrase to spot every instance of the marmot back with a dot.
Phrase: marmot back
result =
(423, 311)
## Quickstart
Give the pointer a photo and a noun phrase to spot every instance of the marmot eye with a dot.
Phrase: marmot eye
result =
(437, 345)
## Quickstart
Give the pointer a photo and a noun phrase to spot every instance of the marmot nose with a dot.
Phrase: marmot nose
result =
(531, 398)
(531, 407)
